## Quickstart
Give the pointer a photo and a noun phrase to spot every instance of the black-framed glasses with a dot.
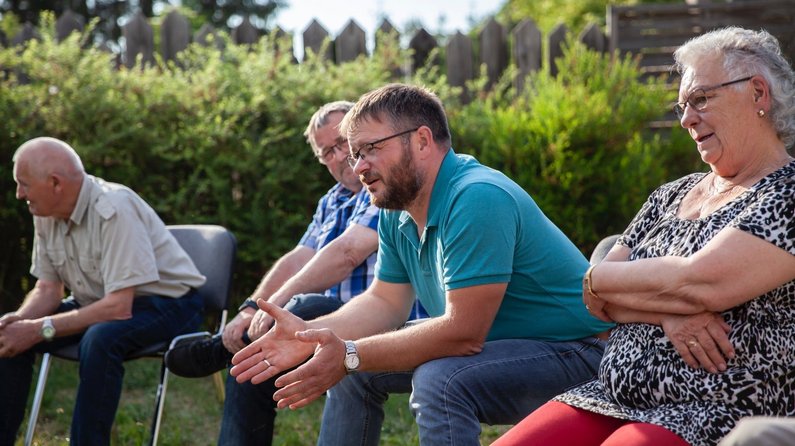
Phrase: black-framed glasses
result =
(326, 154)
(365, 149)
(697, 99)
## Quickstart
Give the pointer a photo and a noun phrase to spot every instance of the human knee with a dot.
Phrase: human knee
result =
(436, 378)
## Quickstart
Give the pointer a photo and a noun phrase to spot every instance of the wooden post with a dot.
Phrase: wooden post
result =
(207, 35)
(527, 52)
(350, 43)
(387, 38)
(140, 40)
(245, 33)
(174, 35)
(422, 43)
(314, 38)
(556, 39)
(459, 63)
(593, 38)
(493, 50)
(67, 22)
(28, 32)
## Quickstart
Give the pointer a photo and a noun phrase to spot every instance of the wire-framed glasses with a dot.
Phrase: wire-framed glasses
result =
(697, 99)
(367, 148)
(327, 153)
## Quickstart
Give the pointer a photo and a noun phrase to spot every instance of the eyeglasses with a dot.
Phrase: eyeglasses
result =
(328, 153)
(697, 99)
(365, 149)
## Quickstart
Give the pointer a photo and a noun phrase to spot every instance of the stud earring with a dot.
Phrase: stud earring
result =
(761, 113)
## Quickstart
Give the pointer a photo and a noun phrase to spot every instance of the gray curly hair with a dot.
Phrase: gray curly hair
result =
(745, 53)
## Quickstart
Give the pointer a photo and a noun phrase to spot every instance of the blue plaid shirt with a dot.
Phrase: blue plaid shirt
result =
(335, 212)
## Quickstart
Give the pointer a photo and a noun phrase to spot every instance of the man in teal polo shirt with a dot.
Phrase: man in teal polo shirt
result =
(501, 282)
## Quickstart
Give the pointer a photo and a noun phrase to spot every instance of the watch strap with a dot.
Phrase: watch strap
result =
(248, 303)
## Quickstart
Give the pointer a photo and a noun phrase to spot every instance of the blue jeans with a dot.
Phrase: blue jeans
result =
(249, 410)
(451, 396)
(102, 350)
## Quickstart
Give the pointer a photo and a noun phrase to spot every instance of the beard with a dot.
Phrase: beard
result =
(403, 185)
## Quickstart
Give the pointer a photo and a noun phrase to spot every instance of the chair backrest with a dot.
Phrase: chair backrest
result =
(212, 249)
(602, 248)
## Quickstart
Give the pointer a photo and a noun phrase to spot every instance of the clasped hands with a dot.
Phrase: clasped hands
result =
(700, 339)
(17, 335)
(288, 343)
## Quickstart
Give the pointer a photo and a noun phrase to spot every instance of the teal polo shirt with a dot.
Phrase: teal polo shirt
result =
(482, 229)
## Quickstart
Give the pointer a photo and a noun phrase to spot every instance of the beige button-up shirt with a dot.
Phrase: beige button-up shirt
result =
(113, 240)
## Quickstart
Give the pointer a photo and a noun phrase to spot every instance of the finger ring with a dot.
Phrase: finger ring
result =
(266, 362)
(692, 343)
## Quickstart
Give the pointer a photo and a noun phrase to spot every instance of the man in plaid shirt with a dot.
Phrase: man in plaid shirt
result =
(333, 262)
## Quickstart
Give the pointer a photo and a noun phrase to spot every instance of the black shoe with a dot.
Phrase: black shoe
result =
(197, 358)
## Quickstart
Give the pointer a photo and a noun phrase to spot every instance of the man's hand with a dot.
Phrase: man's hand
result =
(276, 351)
(8, 318)
(309, 381)
(701, 339)
(18, 337)
(233, 332)
(260, 325)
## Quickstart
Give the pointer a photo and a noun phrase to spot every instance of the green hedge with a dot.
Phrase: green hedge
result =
(219, 140)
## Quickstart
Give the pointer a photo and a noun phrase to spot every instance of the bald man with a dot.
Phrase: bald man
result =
(131, 285)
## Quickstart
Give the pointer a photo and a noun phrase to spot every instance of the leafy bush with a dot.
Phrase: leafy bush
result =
(579, 143)
(219, 139)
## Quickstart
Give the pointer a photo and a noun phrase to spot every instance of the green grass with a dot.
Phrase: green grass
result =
(192, 413)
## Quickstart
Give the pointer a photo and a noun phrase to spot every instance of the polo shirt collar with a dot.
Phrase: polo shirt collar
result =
(441, 187)
(438, 194)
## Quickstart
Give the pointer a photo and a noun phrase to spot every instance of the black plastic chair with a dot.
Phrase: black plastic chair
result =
(212, 249)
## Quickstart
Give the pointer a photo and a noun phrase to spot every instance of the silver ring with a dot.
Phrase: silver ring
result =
(266, 362)
(692, 343)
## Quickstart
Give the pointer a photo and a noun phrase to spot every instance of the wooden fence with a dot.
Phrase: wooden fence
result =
(650, 31)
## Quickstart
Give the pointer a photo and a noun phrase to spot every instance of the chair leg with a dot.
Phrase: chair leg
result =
(220, 387)
(44, 370)
(160, 400)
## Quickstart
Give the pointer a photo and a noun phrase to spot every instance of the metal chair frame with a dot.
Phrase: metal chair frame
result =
(217, 266)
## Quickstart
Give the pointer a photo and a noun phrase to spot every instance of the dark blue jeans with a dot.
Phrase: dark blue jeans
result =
(102, 350)
(249, 410)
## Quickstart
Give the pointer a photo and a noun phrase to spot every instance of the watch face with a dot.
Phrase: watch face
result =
(351, 362)
(48, 332)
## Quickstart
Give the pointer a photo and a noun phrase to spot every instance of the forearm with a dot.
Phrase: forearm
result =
(281, 271)
(331, 265)
(366, 315)
(407, 348)
(460, 331)
(41, 301)
(114, 306)
(658, 285)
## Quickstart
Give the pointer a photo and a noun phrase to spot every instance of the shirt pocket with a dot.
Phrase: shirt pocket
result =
(90, 267)
(57, 258)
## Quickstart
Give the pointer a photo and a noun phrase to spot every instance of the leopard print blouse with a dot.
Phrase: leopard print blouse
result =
(643, 378)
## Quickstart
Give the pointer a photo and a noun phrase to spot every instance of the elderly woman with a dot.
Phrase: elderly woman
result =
(702, 282)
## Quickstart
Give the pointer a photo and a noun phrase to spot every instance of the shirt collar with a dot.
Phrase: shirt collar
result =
(440, 189)
(83, 199)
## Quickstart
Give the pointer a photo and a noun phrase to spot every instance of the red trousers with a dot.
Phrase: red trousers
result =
(556, 423)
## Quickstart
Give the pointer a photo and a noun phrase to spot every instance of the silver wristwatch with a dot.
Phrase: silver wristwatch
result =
(351, 357)
(47, 329)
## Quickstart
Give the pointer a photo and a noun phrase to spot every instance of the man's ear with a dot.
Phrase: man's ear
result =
(425, 137)
(56, 181)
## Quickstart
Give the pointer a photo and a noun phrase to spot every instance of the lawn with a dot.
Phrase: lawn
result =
(193, 412)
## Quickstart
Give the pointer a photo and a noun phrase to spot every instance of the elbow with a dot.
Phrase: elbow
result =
(468, 347)
(120, 311)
